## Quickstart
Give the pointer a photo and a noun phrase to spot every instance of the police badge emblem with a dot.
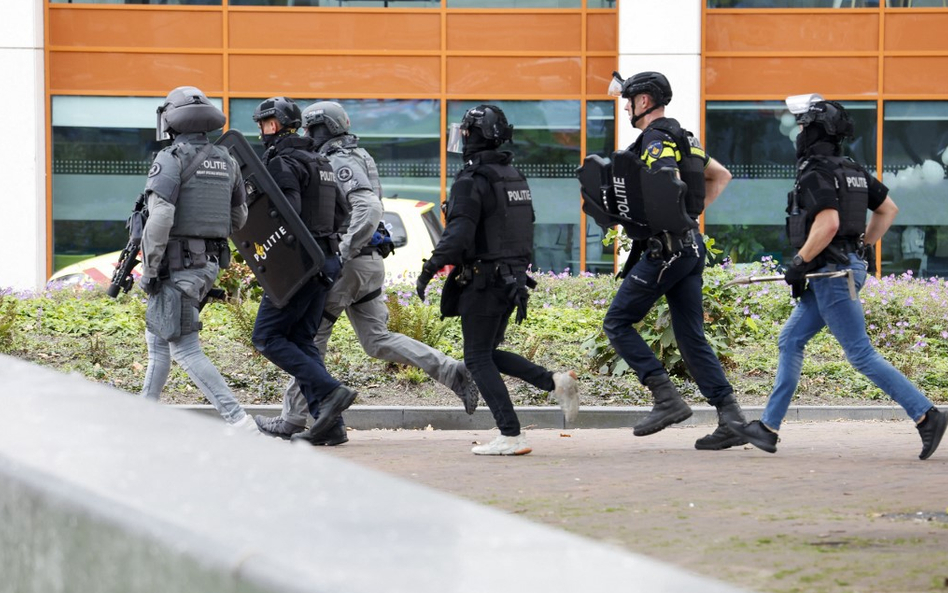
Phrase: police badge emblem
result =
(344, 174)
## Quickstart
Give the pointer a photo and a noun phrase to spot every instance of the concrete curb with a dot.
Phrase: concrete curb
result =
(454, 418)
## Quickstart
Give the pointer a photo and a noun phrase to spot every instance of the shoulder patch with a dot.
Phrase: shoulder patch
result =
(344, 174)
(154, 170)
(654, 149)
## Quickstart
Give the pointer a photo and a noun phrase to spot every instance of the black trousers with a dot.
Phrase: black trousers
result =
(484, 317)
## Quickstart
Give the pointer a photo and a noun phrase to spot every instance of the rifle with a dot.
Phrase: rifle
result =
(122, 276)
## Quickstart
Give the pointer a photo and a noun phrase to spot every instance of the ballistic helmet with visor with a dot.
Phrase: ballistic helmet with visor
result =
(329, 114)
(187, 110)
(490, 121)
(284, 109)
(830, 115)
(653, 84)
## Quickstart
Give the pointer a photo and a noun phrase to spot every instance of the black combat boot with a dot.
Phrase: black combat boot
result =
(723, 437)
(668, 409)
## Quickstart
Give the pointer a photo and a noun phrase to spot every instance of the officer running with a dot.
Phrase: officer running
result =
(489, 238)
(358, 290)
(827, 225)
(196, 198)
(285, 335)
(668, 263)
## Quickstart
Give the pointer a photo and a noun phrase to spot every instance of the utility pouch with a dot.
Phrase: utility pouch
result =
(171, 314)
(451, 294)
(483, 275)
(196, 253)
(174, 255)
(223, 256)
(796, 222)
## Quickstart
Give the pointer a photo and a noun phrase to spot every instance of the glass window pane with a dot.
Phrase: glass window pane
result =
(546, 147)
(102, 148)
(515, 3)
(755, 141)
(401, 135)
(601, 140)
(914, 156)
(800, 3)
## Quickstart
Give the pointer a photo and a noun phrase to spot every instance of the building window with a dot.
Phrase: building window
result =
(804, 3)
(915, 160)
(601, 140)
(755, 142)
(401, 135)
(102, 148)
(546, 148)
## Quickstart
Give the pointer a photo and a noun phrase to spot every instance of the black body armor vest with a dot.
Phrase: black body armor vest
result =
(323, 208)
(852, 190)
(691, 167)
(507, 231)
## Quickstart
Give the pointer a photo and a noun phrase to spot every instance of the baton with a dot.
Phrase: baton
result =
(837, 274)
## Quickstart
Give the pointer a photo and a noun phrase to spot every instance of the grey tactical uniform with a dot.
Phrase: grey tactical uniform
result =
(363, 274)
(215, 192)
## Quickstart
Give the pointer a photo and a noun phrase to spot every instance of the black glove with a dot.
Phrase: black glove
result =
(151, 286)
(423, 279)
(795, 276)
(520, 300)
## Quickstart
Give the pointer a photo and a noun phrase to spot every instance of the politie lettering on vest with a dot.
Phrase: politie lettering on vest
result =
(857, 181)
(518, 195)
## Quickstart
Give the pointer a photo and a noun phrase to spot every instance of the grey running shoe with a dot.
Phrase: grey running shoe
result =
(277, 427)
(566, 392)
(466, 389)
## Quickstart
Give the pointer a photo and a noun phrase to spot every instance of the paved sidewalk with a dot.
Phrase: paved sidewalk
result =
(842, 506)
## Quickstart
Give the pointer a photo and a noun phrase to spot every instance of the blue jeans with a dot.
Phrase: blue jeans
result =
(285, 336)
(827, 303)
(680, 284)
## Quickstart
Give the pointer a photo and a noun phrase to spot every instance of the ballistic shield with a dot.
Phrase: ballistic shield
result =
(275, 243)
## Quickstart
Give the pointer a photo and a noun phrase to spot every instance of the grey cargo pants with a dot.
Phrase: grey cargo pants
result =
(360, 276)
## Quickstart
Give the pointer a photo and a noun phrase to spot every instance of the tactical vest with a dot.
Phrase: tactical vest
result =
(852, 191)
(323, 210)
(507, 231)
(203, 206)
(690, 167)
(348, 146)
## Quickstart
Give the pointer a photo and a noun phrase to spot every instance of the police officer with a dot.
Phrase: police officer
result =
(489, 237)
(827, 225)
(672, 265)
(285, 335)
(196, 199)
(358, 290)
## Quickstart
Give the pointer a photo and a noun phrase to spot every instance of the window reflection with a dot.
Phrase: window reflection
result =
(799, 3)
(546, 147)
(601, 140)
(915, 161)
(102, 148)
(401, 135)
(755, 141)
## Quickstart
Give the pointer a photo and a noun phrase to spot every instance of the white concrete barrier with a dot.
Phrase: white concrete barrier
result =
(101, 491)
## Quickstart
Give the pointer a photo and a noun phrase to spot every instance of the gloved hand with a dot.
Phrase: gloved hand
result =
(520, 300)
(423, 279)
(151, 286)
(376, 239)
(795, 276)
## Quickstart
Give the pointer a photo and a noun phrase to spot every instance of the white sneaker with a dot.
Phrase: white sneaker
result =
(245, 425)
(566, 392)
(504, 446)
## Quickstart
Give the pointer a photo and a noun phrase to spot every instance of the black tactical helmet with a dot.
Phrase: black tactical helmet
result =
(187, 110)
(328, 113)
(284, 109)
(831, 116)
(491, 122)
(652, 83)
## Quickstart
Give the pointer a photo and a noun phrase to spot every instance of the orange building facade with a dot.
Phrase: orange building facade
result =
(405, 69)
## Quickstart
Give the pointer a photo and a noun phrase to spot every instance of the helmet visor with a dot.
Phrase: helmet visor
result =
(615, 85)
(800, 104)
(455, 143)
(161, 131)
